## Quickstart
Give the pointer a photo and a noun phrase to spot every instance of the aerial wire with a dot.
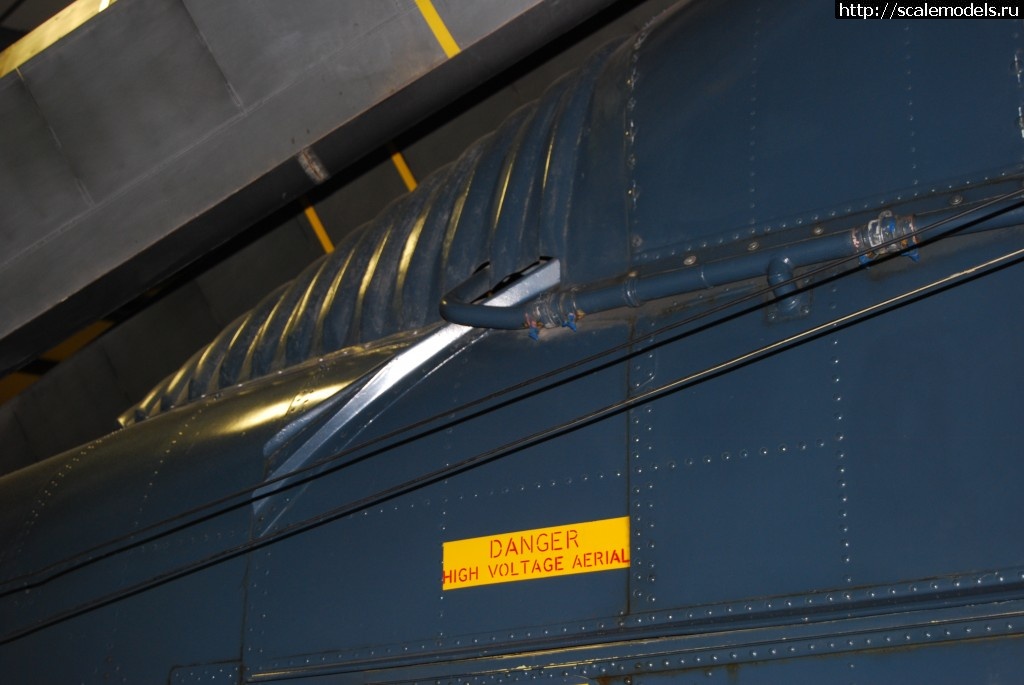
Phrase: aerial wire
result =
(516, 445)
(402, 435)
(406, 434)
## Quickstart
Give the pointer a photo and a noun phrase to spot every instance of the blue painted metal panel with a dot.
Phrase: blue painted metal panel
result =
(791, 402)
(738, 476)
(935, 490)
(782, 113)
(579, 481)
(987, 661)
(137, 639)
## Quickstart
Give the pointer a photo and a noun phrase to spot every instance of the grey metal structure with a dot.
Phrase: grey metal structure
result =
(757, 423)
(109, 184)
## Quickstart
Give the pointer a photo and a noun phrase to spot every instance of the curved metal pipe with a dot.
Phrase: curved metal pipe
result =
(456, 306)
(885, 235)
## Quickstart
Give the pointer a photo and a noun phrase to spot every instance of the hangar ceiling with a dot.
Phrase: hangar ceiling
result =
(18, 17)
(156, 130)
(277, 138)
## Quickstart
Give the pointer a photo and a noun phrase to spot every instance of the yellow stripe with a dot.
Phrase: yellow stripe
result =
(318, 227)
(49, 32)
(16, 383)
(403, 169)
(433, 19)
(77, 341)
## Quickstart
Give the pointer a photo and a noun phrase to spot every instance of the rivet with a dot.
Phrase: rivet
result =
(690, 260)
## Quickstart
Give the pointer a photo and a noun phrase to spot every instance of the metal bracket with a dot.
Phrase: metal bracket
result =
(888, 234)
(791, 302)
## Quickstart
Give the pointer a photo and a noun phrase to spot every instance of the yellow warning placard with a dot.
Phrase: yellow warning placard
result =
(539, 553)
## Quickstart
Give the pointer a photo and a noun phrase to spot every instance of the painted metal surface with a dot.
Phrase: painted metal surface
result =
(493, 206)
(817, 459)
